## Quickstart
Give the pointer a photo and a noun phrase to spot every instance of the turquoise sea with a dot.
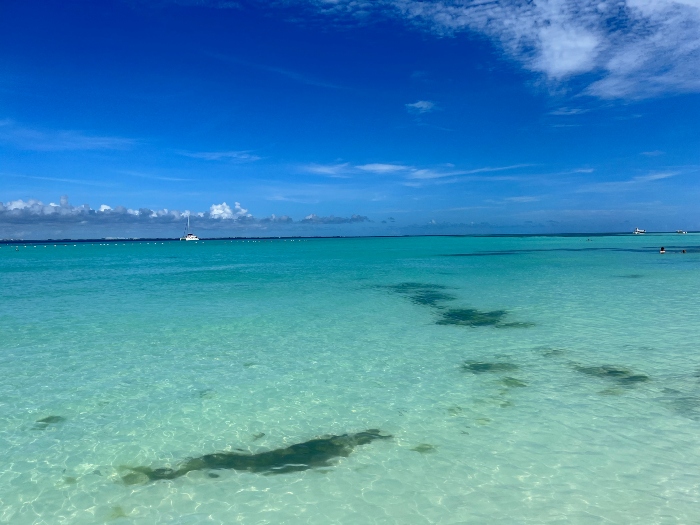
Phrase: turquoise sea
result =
(497, 380)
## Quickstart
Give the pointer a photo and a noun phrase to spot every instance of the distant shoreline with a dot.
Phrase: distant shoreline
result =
(294, 237)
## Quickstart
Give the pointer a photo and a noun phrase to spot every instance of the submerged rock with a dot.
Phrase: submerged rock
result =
(514, 325)
(511, 382)
(423, 293)
(431, 297)
(546, 351)
(687, 406)
(415, 287)
(43, 424)
(49, 420)
(620, 375)
(116, 513)
(471, 317)
(434, 295)
(480, 367)
(207, 394)
(302, 456)
(424, 448)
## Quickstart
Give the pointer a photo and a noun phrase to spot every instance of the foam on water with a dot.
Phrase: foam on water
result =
(522, 380)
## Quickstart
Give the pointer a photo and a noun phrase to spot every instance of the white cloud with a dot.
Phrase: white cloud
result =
(636, 48)
(568, 111)
(625, 185)
(292, 75)
(382, 168)
(442, 172)
(19, 204)
(153, 177)
(422, 106)
(522, 198)
(62, 140)
(437, 174)
(656, 176)
(337, 171)
(221, 155)
(34, 210)
(32, 213)
(432, 174)
(224, 211)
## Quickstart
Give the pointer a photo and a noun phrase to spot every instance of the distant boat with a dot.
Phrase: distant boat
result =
(637, 231)
(680, 231)
(188, 236)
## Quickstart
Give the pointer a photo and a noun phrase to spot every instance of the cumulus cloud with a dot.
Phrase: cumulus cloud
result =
(224, 211)
(635, 48)
(422, 106)
(33, 212)
(283, 219)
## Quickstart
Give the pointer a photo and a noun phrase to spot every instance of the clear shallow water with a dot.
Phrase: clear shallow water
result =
(155, 353)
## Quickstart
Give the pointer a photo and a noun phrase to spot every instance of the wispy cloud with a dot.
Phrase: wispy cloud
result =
(153, 177)
(626, 185)
(62, 140)
(292, 75)
(337, 171)
(654, 153)
(522, 199)
(422, 106)
(221, 155)
(64, 180)
(382, 168)
(299, 199)
(413, 176)
(566, 112)
(437, 174)
(655, 176)
(299, 77)
(635, 48)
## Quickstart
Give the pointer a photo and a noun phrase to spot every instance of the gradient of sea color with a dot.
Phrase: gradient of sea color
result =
(409, 380)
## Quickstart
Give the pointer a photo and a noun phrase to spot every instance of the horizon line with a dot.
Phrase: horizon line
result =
(294, 237)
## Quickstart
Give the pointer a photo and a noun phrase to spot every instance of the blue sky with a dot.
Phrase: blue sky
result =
(318, 117)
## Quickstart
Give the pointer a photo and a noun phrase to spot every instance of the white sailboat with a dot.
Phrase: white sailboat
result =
(189, 236)
(637, 231)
